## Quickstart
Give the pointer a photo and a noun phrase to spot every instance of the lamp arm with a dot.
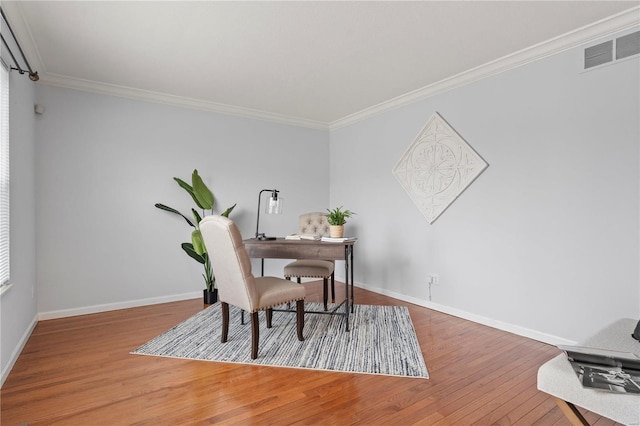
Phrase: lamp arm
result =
(258, 220)
(259, 198)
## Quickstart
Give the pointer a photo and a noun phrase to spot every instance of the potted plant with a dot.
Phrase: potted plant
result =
(337, 218)
(203, 198)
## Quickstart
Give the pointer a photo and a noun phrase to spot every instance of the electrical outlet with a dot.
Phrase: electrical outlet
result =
(433, 279)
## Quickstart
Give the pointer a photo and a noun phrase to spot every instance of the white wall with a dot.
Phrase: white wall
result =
(545, 242)
(18, 305)
(103, 162)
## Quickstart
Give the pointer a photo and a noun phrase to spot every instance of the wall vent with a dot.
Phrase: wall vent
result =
(620, 48)
(598, 54)
(628, 45)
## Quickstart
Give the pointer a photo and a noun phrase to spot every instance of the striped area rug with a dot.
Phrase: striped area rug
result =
(382, 340)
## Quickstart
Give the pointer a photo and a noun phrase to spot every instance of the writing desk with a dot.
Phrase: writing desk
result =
(281, 248)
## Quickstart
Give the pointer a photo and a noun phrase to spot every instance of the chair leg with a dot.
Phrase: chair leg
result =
(300, 318)
(288, 303)
(269, 315)
(333, 287)
(325, 282)
(225, 321)
(255, 335)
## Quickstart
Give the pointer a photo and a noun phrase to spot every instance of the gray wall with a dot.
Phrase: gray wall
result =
(103, 162)
(18, 305)
(545, 241)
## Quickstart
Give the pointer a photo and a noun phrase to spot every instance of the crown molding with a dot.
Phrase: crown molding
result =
(603, 28)
(606, 27)
(25, 37)
(178, 101)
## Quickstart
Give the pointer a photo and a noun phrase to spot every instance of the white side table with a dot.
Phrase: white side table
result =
(557, 378)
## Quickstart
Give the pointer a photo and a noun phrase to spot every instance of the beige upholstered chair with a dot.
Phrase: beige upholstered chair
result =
(237, 285)
(313, 223)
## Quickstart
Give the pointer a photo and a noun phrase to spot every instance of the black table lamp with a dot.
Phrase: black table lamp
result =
(273, 207)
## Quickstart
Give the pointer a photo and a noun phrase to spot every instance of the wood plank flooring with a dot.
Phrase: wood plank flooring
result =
(78, 371)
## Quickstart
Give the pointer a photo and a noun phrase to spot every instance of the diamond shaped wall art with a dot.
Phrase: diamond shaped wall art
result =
(437, 167)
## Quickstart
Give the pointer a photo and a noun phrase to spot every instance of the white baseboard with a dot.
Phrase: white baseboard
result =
(511, 328)
(16, 352)
(118, 305)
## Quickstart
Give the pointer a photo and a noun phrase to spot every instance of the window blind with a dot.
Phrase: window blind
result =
(4, 176)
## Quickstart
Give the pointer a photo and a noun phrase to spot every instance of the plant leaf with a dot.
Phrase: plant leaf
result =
(198, 243)
(188, 248)
(172, 210)
(184, 185)
(197, 217)
(229, 210)
(201, 193)
(338, 216)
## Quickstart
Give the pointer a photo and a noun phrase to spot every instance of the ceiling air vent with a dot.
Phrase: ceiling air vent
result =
(628, 45)
(598, 54)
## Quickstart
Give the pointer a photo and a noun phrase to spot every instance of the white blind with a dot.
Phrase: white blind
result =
(4, 176)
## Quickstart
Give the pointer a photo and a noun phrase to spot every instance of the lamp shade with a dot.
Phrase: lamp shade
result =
(274, 206)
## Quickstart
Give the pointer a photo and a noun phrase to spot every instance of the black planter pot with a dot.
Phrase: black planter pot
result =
(210, 297)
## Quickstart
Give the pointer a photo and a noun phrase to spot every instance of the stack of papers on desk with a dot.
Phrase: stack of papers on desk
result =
(302, 237)
(338, 240)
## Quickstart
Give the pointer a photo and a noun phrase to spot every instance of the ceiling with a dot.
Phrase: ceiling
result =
(310, 63)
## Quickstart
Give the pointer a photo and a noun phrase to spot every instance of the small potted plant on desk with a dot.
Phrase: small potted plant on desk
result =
(337, 218)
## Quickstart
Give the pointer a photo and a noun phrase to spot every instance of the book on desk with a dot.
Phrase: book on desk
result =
(311, 237)
(337, 239)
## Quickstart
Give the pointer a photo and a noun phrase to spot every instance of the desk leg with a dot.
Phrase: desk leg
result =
(571, 412)
(346, 286)
(353, 300)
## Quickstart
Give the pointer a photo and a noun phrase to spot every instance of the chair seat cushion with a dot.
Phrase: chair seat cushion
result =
(309, 268)
(275, 291)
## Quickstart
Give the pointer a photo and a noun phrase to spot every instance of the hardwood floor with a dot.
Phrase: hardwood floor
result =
(78, 371)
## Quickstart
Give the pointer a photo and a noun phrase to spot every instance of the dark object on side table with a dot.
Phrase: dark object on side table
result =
(636, 332)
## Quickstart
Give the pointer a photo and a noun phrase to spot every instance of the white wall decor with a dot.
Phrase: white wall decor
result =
(437, 167)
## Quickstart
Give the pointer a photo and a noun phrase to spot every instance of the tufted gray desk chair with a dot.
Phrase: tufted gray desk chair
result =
(313, 223)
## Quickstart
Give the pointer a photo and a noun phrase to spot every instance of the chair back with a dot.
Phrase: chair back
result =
(313, 223)
(230, 261)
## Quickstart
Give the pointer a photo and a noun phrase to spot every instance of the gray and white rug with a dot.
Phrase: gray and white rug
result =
(382, 340)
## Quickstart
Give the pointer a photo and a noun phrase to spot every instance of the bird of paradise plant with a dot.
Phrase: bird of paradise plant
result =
(203, 198)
